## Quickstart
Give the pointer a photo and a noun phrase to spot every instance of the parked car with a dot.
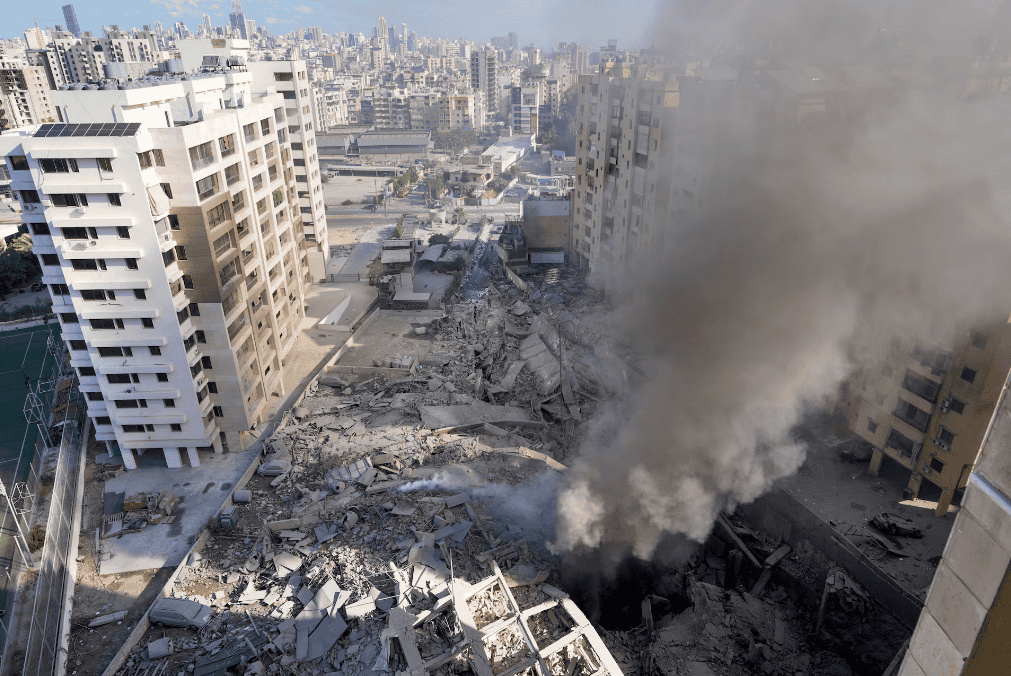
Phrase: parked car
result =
(511, 193)
(180, 613)
(371, 207)
(38, 286)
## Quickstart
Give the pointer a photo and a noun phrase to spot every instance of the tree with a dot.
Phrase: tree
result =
(434, 185)
(461, 215)
(559, 131)
(398, 231)
(454, 141)
(17, 264)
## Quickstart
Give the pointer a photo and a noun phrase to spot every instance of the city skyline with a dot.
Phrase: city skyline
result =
(543, 24)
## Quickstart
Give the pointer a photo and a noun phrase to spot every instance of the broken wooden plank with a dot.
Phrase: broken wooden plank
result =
(763, 580)
(778, 555)
(738, 541)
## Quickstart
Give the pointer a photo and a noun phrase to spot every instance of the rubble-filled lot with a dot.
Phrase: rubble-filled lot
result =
(397, 529)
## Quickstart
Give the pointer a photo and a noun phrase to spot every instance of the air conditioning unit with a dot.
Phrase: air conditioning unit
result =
(201, 381)
(92, 242)
(945, 405)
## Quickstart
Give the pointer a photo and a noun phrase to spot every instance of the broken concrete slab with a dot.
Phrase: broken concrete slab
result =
(436, 417)
(360, 608)
(160, 648)
(325, 635)
(286, 564)
(404, 508)
(108, 619)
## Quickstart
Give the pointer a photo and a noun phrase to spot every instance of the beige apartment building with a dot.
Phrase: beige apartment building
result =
(928, 409)
(623, 145)
(24, 93)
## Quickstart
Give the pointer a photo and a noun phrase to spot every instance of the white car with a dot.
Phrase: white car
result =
(511, 193)
(180, 613)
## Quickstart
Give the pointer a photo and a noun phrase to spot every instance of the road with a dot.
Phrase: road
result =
(356, 217)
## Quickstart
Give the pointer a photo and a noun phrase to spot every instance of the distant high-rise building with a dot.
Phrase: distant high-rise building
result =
(250, 29)
(403, 32)
(237, 20)
(514, 42)
(70, 16)
(205, 26)
(382, 29)
(484, 77)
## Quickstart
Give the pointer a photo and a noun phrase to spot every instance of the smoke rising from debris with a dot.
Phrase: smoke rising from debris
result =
(823, 247)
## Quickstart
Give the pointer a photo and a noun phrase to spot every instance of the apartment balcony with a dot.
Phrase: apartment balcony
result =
(237, 329)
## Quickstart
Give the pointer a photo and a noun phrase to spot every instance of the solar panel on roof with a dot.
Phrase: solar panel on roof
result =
(89, 129)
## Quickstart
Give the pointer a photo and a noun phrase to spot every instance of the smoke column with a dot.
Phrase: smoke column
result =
(824, 248)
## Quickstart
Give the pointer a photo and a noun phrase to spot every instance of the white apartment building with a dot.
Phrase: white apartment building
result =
(83, 60)
(524, 109)
(484, 78)
(167, 223)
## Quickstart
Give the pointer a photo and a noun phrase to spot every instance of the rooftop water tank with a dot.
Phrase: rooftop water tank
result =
(115, 70)
(174, 66)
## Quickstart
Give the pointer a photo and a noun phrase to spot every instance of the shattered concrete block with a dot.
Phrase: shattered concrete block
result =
(456, 500)
(350, 520)
(286, 564)
(404, 508)
(160, 648)
(242, 497)
(360, 608)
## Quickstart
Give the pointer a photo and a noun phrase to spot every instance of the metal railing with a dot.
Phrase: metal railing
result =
(44, 634)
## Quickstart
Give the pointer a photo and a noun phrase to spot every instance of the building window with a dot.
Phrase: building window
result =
(40, 228)
(227, 145)
(201, 338)
(206, 361)
(212, 387)
(79, 233)
(872, 426)
(56, 165)
(106, 324)
(86, 370)
(911, 415)
(155, 350)
(114, 199)
(97, 294)
(217, 214)
(978, 340)
(968, 374)
(924, 388)
(181, 253)
(187, 282)
(183, 315)
(167, 189)
(957, 406)
(119, 378)
(140, 294)
(70, 199)
(78, 345)
(103, 420)
(95, 396)
(206, 187)
(123, 231)
(50, 259)
(133, 428)
(202, 155)
(900, 442)
(162, 377)
(173, 222)
(115, 352)
(131, 263)
(169, 403)
(20, 162)
(936, 465)
(946, 436)
(218, 413)
(104, 164)
(147, 322)
(68, 318)
(176, 427)
(194, 310)
(30, 196)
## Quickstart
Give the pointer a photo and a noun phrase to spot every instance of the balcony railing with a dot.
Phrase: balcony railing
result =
(236, 327)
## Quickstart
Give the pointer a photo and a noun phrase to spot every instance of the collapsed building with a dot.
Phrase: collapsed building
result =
(399, 522)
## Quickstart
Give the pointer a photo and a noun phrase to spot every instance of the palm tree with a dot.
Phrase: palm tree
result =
(461, 215)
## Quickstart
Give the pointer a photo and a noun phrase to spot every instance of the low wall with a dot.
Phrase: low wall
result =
(780, 515)
(359, 372)
(515, 279)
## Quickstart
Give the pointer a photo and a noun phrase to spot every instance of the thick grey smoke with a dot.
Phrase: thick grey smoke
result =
(823, 249)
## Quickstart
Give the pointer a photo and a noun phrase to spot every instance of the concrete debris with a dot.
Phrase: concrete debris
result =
(160, 648)
(108, 619)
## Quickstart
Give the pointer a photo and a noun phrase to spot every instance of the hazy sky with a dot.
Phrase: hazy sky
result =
(542, 22)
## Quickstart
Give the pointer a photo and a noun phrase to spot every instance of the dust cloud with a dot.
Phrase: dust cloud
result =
(826, 244)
